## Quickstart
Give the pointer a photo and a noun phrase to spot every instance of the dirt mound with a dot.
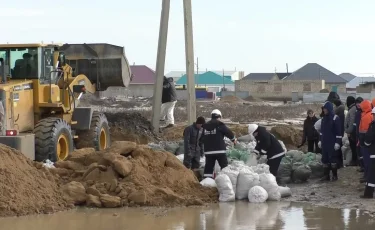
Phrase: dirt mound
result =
(254, 99)
(130, 127)
(231, 98)
(128, 174)
(290, 136)
(25, 189)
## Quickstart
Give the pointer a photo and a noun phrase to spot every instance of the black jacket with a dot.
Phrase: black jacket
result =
(192, 136)
(267, 144)
(369, 140)
(213, 135)
(340, 111)
(169, 91)
(309, 131)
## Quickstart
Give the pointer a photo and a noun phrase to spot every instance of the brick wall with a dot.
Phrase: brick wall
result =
(278, 88)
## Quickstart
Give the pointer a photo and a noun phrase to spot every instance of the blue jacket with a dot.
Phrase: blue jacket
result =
(330, 129)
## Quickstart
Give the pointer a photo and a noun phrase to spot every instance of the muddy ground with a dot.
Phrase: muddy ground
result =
(129, 120)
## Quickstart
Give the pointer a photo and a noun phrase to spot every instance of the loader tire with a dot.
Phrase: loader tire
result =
(97, 136)
(53, 139)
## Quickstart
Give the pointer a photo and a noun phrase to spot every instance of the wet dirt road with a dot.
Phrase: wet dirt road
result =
(222, 216)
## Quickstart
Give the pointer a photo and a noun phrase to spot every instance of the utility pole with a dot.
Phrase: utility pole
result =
(189, 53)
(160, 64)
(197, 73)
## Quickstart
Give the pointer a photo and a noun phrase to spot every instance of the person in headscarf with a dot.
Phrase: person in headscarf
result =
(330, 141)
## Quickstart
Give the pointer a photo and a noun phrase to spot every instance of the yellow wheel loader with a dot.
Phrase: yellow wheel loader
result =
(40, 89)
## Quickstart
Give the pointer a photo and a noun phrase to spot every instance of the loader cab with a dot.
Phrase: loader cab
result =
(33, 61)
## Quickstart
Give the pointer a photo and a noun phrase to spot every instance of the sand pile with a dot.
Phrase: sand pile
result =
(231, 98)
(25, 189)
(130, 127)
(290, 136)
(128, 174)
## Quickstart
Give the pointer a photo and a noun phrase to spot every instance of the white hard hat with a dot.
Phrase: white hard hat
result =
(373, 110)
(251, 128)
(217, 112)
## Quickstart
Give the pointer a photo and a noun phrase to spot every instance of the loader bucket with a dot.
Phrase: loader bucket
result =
(104, 64)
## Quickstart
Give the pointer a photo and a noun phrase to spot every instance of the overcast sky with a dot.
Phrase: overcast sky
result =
(254, 36)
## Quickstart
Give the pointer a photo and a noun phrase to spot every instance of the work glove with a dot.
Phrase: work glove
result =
(337, 146)
(320, 144)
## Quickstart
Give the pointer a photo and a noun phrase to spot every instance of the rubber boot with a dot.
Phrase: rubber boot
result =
(369, 193)
(361, 167)
(326, 176)
(334, 172)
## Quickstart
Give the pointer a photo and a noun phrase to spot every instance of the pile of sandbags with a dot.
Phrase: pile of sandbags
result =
(256, 183)
(299, 167)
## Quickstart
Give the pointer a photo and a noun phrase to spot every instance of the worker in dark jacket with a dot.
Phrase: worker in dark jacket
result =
(213, 135)
(366, 119)
(369, 142)
(309, 133)
(340, 111)
(332, 97)
(330, 141)
(357, 121)
(168, 100)
(350, 128)
(192, 146)
(267, 144)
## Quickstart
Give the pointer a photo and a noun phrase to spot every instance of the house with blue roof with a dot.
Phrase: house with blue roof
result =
(211, 80)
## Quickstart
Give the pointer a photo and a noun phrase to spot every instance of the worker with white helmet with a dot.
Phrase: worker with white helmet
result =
(267, 144)
(214, 146)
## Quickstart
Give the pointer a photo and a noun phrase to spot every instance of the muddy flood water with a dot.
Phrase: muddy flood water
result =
(222, 216)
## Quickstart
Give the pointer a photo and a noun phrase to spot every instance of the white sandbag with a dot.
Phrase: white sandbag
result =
(285, 191)
(237, 164)
(232, 173)
(225, 188)
(274, 194)
(208, 182)
(261, 168)
(217, 168)
(257, 194)
(267, 181)
(251, 146)
(180, 157)
(318, 125)
(252, 160)
(246, 180)
(263, 159)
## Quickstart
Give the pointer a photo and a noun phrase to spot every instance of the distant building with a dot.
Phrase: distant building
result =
(314, 71)
(211, 80)
(234, 75)
(266, 76)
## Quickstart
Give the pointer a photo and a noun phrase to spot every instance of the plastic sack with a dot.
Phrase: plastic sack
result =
(225, 188)
(317, 170)
(240, 146)
(261, 168)
(302, 173)
(284, 173)
(309, 157)
(217, 168)
(318, 125)
(180, 149)
(171, 147)
(232, 173)
(251, 146)
(208, 182)
(180, 157)
(296, 155)
(318, 157)
(262, 160)
(346, 154)
(252, 160)
(257, 194)
(237, 164)
(247, 138)
(285, 191)
(267, 181)
(246, 180)
(48, 164)
(274, 194)
(238, 154)
(155, 146)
